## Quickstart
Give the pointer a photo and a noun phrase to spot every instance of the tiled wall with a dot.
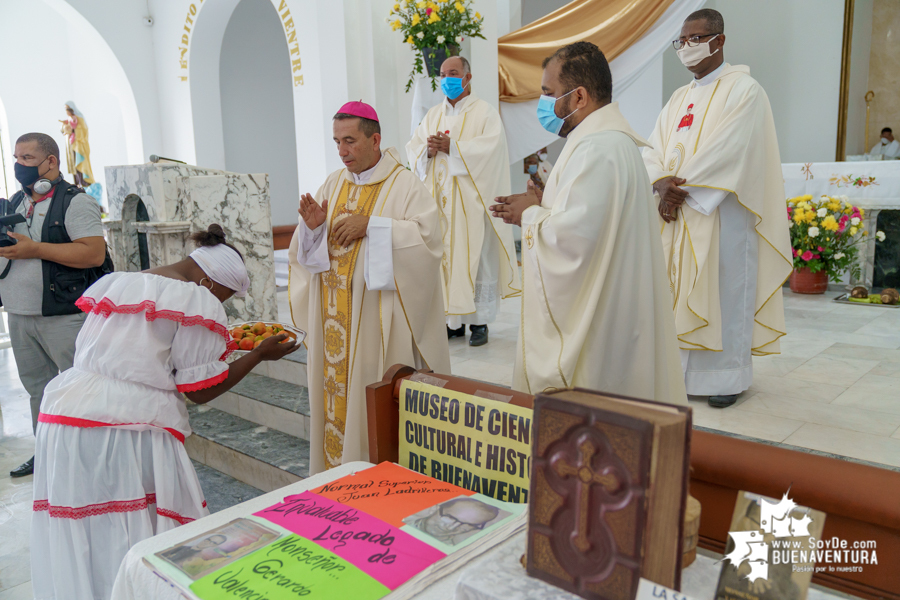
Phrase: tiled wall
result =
(884, 68)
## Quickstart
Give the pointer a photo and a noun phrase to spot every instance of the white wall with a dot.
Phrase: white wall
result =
(793, 50)
(642, 101)
(7, 177)
(257, 104)
(75, 64)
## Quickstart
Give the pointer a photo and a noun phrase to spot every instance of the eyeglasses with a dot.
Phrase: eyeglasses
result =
(453, 523)
(691, 42)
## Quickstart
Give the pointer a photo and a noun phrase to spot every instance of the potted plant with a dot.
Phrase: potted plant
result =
(825, 235)
(435, 29)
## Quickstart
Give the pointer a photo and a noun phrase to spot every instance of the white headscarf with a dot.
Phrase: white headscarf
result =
(224, 266)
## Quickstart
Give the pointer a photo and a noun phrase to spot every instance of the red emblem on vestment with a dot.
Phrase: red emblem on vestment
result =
(687, 120)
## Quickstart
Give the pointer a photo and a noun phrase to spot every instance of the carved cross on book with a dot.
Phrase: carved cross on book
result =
(608, 490)
(586, 478)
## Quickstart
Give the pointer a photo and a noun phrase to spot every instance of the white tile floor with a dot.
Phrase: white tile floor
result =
(834, 389)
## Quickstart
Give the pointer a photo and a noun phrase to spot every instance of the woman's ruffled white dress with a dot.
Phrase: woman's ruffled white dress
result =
(110, 464)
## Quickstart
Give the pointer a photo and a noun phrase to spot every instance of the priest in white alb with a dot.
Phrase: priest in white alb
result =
(715, 166)
(364, 283)
(596, 306)
(459, 151)
(887, 147)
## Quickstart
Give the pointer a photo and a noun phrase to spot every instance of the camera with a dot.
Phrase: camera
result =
(8, 223)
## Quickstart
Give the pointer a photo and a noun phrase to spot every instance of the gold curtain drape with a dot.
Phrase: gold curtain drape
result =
(611, 24)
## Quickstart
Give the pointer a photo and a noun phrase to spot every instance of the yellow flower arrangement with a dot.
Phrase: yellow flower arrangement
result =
(833, 248)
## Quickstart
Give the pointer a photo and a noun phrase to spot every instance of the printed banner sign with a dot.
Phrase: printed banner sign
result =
(383, 552)
(481, 445)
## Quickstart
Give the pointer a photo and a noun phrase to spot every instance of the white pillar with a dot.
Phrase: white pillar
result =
(484, 56)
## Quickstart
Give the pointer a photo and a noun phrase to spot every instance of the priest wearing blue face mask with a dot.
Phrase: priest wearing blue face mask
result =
(459, 152)
(596, 307)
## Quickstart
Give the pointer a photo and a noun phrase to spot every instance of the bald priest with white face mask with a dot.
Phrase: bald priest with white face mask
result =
(715, 168)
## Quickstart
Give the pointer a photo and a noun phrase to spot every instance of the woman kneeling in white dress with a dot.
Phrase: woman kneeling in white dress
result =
(110, 464)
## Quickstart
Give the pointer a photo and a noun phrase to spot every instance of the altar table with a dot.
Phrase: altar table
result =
(871, 185)
(494, 575)
(135, 581)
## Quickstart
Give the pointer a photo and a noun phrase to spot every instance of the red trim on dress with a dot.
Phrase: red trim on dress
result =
(106, 307)
(202, 385)
(115, 506)
(87, 423)
(182, 520)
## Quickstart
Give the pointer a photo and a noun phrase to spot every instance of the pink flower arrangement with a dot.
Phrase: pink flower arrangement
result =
(821, 234)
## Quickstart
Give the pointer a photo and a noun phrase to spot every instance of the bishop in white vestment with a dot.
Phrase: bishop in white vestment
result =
(596, 306)
(364, 283)
(717, 171)
(459, 151)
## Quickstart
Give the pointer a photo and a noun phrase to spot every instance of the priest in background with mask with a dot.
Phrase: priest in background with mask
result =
(721, 202)
(459, 151)
(364, 283)
(596, 306)
(887, 146)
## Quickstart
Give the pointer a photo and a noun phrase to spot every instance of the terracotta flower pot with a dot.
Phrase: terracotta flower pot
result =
(804, 282)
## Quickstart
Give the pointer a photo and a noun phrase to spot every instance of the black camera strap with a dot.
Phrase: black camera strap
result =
(10, 207)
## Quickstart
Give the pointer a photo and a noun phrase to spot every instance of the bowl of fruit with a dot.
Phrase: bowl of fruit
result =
(250, 335)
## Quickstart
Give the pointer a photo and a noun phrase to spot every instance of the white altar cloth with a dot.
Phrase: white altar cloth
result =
(135, 581)
(498, 575)
(869, 184)
(494, 575)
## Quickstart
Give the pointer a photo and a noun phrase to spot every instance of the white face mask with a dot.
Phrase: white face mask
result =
(884, 141)
(692, 55)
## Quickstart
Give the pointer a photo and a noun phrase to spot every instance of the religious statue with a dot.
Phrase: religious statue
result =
(78, 150)
(538, 167)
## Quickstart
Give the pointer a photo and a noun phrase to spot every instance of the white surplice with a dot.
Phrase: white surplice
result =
(888, 151)
(596, 306)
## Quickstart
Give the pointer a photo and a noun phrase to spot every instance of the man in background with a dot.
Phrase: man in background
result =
(721, 199)
(596, 310)
(887, 146)
(459, 151)
(47, 269)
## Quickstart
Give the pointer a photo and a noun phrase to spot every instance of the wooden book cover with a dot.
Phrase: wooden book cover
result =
(608, 493)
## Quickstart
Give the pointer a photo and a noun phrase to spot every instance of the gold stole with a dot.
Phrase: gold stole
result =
(337, 315)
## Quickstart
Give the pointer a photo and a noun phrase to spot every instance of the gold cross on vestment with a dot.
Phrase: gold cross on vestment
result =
(586, 477)
(529, 237)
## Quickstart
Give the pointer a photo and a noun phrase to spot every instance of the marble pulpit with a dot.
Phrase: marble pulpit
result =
(154, 207)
